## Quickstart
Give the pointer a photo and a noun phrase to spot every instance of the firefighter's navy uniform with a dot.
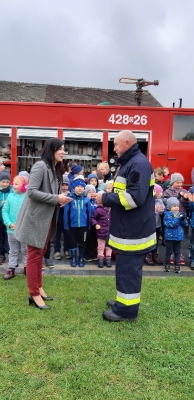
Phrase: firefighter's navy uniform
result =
(133, 226)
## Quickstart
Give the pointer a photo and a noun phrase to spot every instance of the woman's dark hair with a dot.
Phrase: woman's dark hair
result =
(50, 147)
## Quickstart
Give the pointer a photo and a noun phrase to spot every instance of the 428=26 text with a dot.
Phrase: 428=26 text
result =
(127, 119)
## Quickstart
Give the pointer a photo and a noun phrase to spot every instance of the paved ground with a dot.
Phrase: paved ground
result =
(62, 267)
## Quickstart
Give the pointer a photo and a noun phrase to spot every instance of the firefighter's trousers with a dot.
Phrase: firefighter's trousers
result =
(128, 284)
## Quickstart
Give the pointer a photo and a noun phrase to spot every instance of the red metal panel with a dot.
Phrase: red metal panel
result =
(105, 146)
(60, 134)
(13, 153)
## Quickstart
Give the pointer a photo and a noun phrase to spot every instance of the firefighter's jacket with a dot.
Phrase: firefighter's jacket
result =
(133, 226)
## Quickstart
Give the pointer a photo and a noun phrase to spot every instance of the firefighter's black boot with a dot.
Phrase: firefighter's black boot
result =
(177, 269)
(166, 266)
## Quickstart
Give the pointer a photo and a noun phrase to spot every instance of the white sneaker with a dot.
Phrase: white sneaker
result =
(67, 254)
(57, 256)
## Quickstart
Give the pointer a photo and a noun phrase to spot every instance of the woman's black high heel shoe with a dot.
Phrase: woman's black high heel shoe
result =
(47, 298)
(32, 301)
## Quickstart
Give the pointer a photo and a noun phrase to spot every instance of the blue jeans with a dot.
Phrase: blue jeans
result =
(192, 247)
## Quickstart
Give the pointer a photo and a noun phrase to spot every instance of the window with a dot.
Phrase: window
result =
(183, 127)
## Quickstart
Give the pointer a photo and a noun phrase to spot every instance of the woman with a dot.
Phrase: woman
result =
(38, 216)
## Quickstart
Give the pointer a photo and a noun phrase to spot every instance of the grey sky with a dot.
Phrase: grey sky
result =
(93, 43)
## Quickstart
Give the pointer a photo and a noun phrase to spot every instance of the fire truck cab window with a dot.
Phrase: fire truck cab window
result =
(183, 127)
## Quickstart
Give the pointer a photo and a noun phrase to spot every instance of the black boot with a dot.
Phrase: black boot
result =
(108, 262)
(166, 266)
(100, 263)
(81, 259)
(73, 257)
(177, 268)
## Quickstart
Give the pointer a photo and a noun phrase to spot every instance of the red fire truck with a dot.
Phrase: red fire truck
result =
(165, 135)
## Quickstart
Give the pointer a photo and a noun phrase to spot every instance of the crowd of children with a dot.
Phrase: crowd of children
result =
(83, 225)
(173, 208)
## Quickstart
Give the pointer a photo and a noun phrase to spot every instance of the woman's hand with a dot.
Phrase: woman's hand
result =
(12, 226)
(98, 226)
(63, 199)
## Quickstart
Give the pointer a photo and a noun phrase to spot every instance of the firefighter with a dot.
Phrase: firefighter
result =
(133, 226)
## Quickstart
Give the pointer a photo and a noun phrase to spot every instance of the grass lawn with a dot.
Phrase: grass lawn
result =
(71, 353)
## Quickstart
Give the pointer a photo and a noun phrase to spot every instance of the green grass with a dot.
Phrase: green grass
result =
(71, 353)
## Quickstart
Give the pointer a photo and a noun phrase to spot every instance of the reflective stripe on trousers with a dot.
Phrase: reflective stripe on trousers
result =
(128, 284)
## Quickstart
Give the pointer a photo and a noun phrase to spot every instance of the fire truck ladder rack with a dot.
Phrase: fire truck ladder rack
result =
(140, 83)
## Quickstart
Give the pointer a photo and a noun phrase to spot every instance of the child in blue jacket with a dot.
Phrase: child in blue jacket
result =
(10, 212)
(91, 242)
(173, 232)
(77, 220)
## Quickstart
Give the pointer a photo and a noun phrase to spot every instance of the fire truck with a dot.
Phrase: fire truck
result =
(164, 135)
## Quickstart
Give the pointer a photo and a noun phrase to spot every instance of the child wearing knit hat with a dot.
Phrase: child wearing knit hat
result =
(93, 180)
(10, 213)
(75, 171)
(91, 241)
(173, 233)
(176, 190)
(5, 189)
(77, 220)
(101, 221)
(153, 257)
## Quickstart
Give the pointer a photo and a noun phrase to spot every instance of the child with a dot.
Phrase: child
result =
(77, 220)
(176, 190)
(10, 212)
(101, 184)
(101, 221)
(2, 166)
(108, 186)
(91, 242)
(159, 178)
(75, 171)
(166, 173)
(60, 228)
(24, 173)
(153, 258)
(93, 180)
(5, 190)
(173, 233)
(190, 197)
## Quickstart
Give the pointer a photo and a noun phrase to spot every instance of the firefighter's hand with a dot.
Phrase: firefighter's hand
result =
(98, 197)
(63, 199)
(98, 226)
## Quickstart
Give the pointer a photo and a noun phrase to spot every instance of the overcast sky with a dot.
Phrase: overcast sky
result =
(93, 43)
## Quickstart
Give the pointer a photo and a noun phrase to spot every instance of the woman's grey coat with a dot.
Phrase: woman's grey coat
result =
(38, 207)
